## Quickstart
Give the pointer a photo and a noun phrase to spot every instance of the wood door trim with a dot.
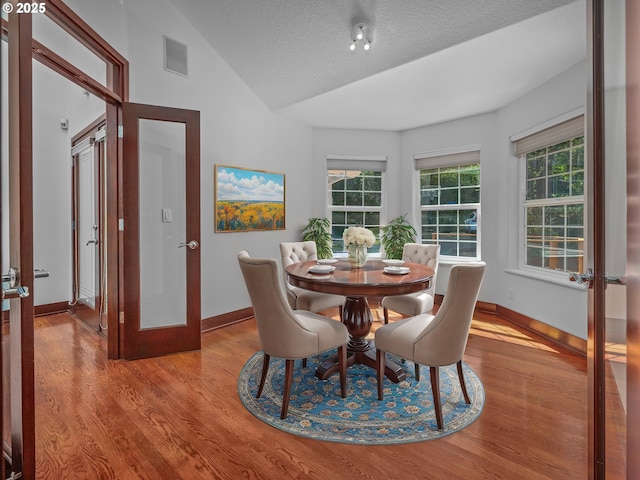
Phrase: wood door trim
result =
(633, 237)
(21, 239)
(595, 181)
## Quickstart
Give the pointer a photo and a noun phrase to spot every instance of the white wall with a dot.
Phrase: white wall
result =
(236, 129)
(328, 142)
(563, 307)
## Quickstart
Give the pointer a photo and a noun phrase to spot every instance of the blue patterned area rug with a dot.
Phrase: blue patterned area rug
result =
(317, 411)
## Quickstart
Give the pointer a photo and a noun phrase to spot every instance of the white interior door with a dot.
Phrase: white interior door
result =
(87, 226)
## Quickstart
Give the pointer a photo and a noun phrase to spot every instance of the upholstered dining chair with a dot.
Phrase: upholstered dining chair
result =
(299, 298)
(285, 333)
(435, 340)
(420, 302)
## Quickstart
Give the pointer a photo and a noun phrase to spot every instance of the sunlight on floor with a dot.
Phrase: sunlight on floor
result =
(506, 334)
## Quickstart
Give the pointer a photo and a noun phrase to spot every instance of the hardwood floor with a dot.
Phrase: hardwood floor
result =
(179, 416)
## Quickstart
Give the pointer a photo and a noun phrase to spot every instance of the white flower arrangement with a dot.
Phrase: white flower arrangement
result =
(359, 236)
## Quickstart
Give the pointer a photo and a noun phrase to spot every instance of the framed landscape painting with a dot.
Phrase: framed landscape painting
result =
(248, 200)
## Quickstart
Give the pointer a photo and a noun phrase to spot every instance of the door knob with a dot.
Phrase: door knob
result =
(192, 245)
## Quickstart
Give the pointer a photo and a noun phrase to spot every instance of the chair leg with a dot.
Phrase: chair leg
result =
(342, 362)
(265, 368)
(435, 387)
(288, 381)
(304, 362)
(380, 360)
(417, 371)
(385, 312)
(340, 312)
(462, 383)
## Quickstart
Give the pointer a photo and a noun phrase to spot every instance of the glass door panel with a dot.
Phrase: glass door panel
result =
(615, 155)
(161, 230)
(163, 233)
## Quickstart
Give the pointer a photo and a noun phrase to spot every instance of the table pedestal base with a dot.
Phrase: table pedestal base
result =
(392, 370)
(356, 315)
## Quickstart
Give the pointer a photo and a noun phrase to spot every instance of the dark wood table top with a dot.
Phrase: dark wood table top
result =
(370, 280)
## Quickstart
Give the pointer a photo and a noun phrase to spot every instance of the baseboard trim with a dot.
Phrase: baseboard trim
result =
(563, 339)
(50, 308)
(554, 335)
(226, 319)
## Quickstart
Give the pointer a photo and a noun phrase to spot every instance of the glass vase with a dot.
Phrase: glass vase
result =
(357, 255)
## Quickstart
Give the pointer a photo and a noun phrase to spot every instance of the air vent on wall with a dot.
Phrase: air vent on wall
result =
(175, 56)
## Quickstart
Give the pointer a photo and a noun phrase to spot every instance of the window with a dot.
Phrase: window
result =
(553, 197)
(355, 196)
(450, 202)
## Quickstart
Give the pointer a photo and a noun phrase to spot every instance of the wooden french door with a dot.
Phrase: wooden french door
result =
(18, 418)
(161, 230)
(613, 219)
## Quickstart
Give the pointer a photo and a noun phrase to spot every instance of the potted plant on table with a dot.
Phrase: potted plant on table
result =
(395, 234)
(319, 231)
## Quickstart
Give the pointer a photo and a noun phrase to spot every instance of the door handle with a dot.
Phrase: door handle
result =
(18, 292)
(40, 273)
(94, 242)
(14, 290)
(588, 278)
(192, 245)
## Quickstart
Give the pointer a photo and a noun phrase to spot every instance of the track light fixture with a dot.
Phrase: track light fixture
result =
(361, 34)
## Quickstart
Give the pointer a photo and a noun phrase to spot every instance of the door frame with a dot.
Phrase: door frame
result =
(23, 49)
(114, 94)
(99, 165)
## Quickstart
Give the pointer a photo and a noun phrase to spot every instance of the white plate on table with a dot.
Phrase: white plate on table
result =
(396, 270)
(323, 269)
(327, 261)
(393, 263)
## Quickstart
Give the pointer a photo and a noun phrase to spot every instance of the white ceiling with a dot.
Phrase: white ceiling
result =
(431, 60)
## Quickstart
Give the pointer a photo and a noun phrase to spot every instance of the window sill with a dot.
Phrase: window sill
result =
(548, 278)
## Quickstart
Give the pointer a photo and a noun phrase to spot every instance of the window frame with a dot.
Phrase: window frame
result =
(551, 132)
(467, 155)
(361, 163)
(545, 202)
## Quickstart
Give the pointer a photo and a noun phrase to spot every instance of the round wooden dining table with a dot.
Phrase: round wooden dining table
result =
(357, 284)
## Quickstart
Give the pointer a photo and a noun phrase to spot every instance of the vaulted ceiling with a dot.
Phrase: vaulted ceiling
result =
(430, 61)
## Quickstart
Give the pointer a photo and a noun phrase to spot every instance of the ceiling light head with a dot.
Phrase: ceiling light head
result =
(361, 34)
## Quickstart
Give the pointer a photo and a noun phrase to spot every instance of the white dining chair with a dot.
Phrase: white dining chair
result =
(435, 340)
(419, 302)
(299, 298)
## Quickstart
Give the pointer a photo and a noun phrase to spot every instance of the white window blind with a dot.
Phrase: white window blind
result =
(423, 162)
(355, 162)
(561, 132)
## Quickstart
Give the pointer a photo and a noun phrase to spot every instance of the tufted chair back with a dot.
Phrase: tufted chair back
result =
(424, 254)
(294, 252)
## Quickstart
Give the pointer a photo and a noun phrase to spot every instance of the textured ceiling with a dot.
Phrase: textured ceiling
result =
(431, 60)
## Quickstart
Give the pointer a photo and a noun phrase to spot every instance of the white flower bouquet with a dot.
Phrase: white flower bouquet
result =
(359, 236)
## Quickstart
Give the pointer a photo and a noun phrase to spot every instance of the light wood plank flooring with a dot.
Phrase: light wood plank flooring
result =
(179, 416)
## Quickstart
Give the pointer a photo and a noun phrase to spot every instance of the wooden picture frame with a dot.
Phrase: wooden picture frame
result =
(248, 200)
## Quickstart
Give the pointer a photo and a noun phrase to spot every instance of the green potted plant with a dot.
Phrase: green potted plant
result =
(395, 234)
(319, 230)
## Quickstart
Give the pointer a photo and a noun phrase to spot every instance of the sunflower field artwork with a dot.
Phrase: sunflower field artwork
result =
(248, 200)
